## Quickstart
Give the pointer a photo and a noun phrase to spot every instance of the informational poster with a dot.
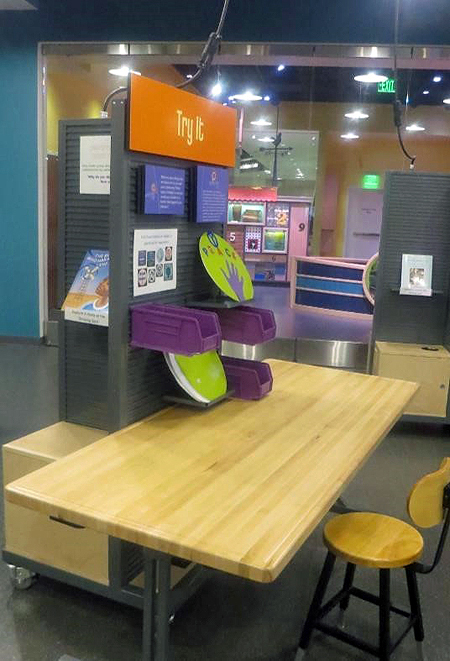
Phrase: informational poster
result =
(95, 164)
(154, 261)
(417, 274)
(212, 194)
(164, 190)
(277, 214)
(246, 212)
(253, 238)
(88, 297)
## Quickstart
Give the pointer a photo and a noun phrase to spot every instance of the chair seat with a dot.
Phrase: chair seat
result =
(373, 540)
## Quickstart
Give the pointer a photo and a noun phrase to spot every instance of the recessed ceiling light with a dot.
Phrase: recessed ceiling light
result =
(265, 139)
(356, 114)
(253, 137)
(246, 96)
(415, 127)
(279, 178)
(267, 98)
(349, 136)
(426, 92)
(371, 77)
(216, 89)
(249, 166)
(447, 101)
(123, 72)
(261, 122)
(281, 67)
(437, 79)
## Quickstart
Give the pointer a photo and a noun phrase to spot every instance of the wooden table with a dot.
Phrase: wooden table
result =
(238, 487)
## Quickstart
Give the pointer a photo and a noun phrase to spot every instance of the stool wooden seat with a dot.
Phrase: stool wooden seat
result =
(373, 540)
(382, 542)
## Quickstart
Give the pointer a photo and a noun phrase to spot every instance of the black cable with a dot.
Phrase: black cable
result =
(210, 49)
(397, 105)
(118, 90)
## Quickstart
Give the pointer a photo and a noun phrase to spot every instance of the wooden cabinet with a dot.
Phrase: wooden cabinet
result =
(427, 365)
(33, 535)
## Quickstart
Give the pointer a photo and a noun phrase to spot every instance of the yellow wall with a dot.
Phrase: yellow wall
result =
(70, 97)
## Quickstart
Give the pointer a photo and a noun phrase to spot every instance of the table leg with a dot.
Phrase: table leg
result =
(156, 606)
(340, 507)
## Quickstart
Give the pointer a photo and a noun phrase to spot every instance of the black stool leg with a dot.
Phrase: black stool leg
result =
(317, 600)
(385, 604)
(348, 582)
(414, 599)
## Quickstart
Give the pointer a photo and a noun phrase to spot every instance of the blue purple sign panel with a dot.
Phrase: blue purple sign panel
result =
(212, 194)
(164, 190)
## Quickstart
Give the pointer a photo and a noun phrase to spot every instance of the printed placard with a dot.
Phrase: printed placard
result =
(95, 164)
(212, 195)
(154, 261)
(164, 190)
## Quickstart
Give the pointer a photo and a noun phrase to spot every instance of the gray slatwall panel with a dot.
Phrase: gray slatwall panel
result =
(85, 225)
(148, 377)
(416, 219)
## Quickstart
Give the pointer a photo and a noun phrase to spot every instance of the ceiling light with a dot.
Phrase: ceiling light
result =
(123, 72)
(253, 137)
(249, 166)
(246, 96)
(216, 89)
(267, 98)
(225, 103)
(189, 76)
(279, 178)
(281, 67)
(415, 127)
(265, 139)
(447, 101)
(267, 172)
(437, 79)
(371, 77)
(261, 122)
(356, 114)
(349, 136)
(426, 92)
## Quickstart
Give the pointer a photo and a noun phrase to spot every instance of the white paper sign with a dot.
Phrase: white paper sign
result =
(417, 274)
(154, 261)
(95, 159)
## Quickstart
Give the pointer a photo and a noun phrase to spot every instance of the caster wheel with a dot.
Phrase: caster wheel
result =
(21, 578)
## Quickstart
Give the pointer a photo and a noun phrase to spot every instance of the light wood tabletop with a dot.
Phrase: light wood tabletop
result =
(238, 487)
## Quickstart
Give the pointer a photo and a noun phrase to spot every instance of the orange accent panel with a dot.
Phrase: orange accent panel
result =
(170, 122)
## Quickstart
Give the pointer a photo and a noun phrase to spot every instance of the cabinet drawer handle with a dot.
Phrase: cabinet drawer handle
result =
(66, 523)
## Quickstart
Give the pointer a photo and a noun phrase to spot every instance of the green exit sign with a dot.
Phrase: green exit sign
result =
(371, 181)
(388, 87)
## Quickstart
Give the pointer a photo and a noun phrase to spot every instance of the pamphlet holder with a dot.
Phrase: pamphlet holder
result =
(247, 325)
(174, 329)
(249, 379)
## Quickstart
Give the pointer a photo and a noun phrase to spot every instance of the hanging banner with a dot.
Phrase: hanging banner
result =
(171, 122)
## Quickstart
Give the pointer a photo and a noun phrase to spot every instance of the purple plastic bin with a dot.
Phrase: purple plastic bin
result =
(249, 379)
(247, 325)
(174, 329)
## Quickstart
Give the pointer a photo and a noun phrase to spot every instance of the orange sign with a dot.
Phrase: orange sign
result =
(170, 122)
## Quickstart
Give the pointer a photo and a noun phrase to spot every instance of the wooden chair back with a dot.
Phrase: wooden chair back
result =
(425, 502)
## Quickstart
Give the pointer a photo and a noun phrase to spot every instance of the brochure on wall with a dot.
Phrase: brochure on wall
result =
(88, 297)
(277, 214)
(211, 194)
(154, 261)
(243, 212)
(417, 274)
(95, 164)
(162, 190)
